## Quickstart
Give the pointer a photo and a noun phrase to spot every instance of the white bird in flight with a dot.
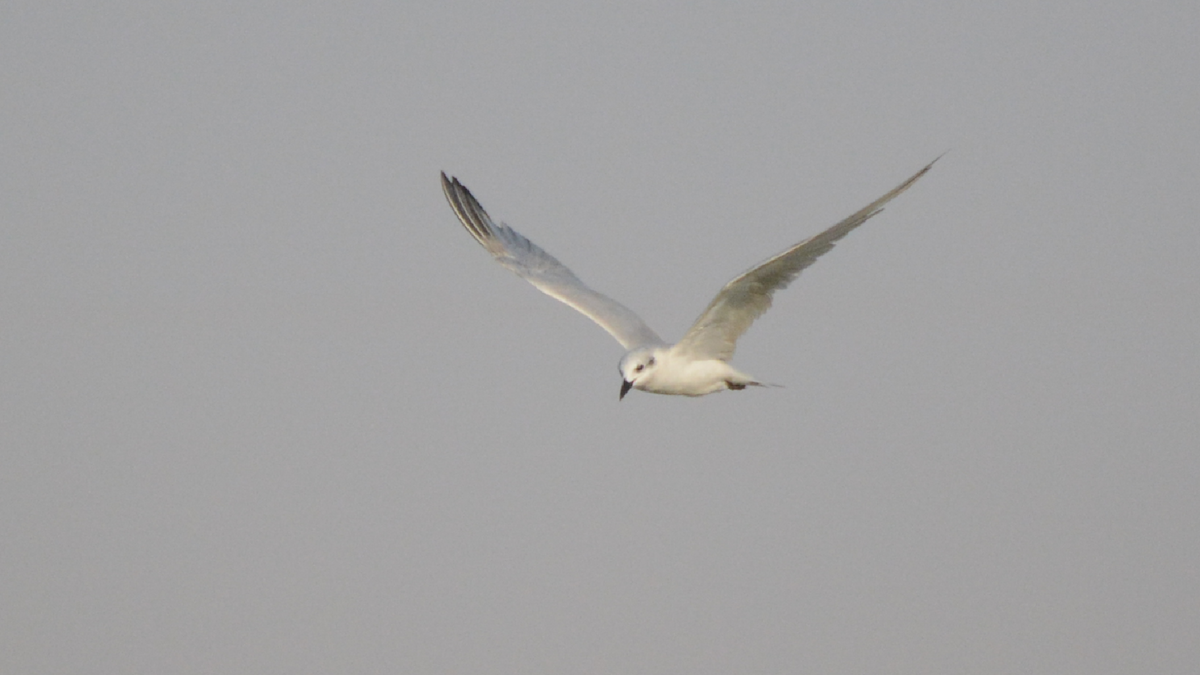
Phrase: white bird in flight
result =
(699, 363)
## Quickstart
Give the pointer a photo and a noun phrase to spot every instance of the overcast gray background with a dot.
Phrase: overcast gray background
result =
(266, 407)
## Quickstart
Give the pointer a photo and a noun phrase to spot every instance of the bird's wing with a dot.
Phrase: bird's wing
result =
(744, 299)
(541, 269)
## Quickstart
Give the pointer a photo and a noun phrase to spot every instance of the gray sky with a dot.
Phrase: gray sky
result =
(266, 408)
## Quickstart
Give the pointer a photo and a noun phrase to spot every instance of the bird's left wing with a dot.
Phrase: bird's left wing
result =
(546, 273)
(744, 299)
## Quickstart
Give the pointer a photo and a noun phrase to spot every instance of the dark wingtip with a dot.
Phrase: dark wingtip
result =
(935, 160)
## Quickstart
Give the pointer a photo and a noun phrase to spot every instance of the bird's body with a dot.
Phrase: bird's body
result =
(699, 363)
(664, 370)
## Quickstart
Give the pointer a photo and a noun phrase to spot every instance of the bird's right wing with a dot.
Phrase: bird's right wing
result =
(546, 273)
(744, 299)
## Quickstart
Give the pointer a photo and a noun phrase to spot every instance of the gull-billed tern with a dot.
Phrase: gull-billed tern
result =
(699, 363)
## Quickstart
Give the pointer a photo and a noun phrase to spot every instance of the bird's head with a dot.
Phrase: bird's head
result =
(635, 367)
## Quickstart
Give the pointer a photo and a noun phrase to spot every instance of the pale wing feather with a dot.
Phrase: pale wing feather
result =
(546, 273)
(741, 301)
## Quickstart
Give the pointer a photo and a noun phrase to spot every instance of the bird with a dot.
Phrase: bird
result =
(696, 365)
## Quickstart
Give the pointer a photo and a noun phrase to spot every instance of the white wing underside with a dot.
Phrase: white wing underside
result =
(715, 333)
(744, 299)
(546, 273)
